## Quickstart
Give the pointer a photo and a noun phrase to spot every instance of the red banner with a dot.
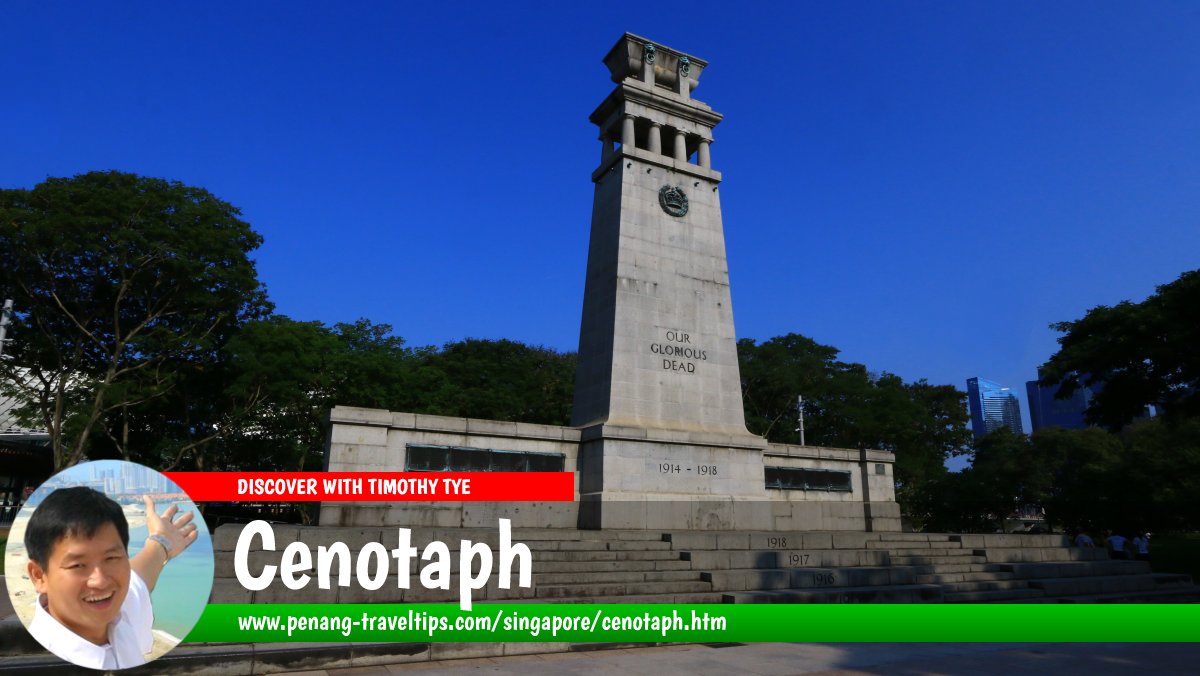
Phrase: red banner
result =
(376, 486)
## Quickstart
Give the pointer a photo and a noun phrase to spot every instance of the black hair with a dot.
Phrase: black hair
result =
(71, 511)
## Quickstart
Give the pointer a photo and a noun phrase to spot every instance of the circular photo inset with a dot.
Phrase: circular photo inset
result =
(108, 564)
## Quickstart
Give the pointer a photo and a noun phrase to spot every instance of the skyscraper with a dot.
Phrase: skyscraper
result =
(1045, 410)
(992, 406)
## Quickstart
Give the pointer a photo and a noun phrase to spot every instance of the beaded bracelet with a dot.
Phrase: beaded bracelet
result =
(166, 544)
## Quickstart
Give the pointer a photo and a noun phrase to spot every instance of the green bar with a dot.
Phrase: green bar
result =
(826, 623)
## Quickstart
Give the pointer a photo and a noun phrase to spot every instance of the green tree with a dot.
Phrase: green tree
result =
(502, 380)
(123, 285)
(836, 394)
(1159, 477)
(1008, 474)
(283, 368)
(773, 375)
(1142, 353)
(935, 431)
(301, 370)
(954, 502)
(847, 406)
(295, 372)
(1086, 466)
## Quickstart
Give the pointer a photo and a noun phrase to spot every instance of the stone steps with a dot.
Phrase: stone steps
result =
(962, 575)
(795, 540)
(1182, 594)
(677, 597)
(985, 585)
(528, 535)
(1076, 569)
(613, 589)
(947, 578)
(1011, 540)
(950, 568)
(761, 579)
(1106, 584)
(1163, 580)
(597, 545)
(928, 551)
(541, 578)
(910, 593)
(992, 596)
(957, 559)
(602, 555)
(1081, 581)
(900, 547)
(724, 560)
(1040, 554)
(586, 567)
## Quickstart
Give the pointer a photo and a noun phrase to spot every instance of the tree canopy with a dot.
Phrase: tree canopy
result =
(1143, 479)
(301, 370)
(1142, 354)
(123, 286)
(847, 406)
(502, 380)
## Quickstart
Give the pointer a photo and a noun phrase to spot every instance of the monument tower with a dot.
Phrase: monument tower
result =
(657, 345)
(658, 438)
(657, 348)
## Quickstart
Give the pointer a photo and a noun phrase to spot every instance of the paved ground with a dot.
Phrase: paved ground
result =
(779, 659)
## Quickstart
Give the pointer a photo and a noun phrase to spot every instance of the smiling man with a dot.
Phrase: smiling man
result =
(93, 606)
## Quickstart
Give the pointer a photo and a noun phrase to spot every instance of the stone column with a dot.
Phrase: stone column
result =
(702, 155)
(628, 139)
(606, 148)
(648, 53)
(655, 138)
(680, 146)
(683, 86)
(865, 468)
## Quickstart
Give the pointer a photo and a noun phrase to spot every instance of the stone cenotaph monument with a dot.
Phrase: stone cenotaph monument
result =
(658, 436)
(658, 397)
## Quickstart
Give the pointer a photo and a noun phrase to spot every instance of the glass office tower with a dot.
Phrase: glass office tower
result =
(1046, 410)
(992, 406)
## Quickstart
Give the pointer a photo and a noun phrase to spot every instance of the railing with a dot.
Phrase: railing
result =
(8, 514)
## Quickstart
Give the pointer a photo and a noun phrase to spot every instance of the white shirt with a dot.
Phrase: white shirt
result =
(129, 637)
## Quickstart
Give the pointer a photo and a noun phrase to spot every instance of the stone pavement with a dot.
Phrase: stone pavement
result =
(778, 659)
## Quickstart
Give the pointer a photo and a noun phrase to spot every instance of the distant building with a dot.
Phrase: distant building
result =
(992, 406)
(1046, 410)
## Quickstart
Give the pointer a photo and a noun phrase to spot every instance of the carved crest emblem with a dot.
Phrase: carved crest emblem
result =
(673, 200)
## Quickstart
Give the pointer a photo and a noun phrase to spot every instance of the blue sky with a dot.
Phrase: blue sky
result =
(924, 185)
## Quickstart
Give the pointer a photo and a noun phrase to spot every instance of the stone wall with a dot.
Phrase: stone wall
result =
(653, 493)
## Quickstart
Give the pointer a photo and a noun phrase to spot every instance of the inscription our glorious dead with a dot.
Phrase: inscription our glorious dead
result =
(678, 352)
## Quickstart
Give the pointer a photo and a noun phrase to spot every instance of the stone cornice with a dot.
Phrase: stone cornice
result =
(663, 161)
(657, 99)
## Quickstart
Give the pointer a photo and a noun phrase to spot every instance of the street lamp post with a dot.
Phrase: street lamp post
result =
(800, 408)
